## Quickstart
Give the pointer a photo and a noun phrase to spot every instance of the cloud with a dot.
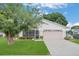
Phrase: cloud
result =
(76, 24)
(69, 24)
(49, 5)
(54, 5)
(45, 7)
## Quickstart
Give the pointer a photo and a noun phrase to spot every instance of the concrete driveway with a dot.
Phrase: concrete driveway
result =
(61, 47)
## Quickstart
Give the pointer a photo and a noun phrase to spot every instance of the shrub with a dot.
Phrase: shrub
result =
(26, 37)
(29, 37)
(67, 38)
(41, 37)
(21, 37)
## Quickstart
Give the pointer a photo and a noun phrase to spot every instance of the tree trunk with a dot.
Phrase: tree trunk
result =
(10, 39)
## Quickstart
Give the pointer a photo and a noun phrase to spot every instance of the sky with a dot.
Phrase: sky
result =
(69, 10)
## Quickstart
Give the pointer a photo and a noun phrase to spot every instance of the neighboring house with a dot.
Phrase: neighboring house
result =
(46, 26)
(2, 34)
(75, 31)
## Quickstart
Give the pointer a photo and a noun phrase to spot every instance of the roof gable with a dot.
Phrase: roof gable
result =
(45, 21)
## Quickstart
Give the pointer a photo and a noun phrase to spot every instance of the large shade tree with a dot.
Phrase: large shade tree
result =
(17, 17)
(56, 17)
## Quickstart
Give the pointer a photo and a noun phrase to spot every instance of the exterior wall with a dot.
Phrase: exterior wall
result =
(20, 34)
(3, 35)
(64, 32)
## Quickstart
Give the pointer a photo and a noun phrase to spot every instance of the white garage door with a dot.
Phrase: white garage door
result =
(53, 34)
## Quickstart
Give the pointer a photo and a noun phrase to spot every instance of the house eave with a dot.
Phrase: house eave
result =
(54, 23)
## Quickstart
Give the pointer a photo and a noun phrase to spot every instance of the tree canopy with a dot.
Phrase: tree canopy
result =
(17, 17)
(56, 17)
(75, 27)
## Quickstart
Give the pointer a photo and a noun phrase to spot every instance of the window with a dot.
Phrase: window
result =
(32, 33)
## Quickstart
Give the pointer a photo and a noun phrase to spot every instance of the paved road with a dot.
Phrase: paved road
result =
(61, 47)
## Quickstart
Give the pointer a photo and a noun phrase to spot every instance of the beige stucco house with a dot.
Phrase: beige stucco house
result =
(48, 27)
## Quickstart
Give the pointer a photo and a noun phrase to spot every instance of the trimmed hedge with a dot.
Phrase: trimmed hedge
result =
(67, 38)
(26, 37)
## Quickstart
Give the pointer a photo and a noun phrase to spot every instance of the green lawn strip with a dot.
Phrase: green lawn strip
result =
(75, 41)
(23, 47)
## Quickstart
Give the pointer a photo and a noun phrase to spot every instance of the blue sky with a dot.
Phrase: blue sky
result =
(69, 10)
(73, 13)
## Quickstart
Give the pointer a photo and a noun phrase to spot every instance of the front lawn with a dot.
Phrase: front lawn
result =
(23, 47)
(75, 41)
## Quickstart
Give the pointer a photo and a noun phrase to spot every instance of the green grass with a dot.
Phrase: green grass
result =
(23, 47)
(75, 41)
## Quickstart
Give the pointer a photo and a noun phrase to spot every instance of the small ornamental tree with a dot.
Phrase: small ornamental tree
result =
(17, 17)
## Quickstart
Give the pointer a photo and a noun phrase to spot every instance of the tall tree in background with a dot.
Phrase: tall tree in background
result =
(75, 27)
(56, 17)
(17, 17)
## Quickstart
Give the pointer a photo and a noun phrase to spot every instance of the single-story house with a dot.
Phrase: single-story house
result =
(46, 28)
(75, 31)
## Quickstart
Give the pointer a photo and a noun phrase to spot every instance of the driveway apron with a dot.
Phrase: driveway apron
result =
(61, 47)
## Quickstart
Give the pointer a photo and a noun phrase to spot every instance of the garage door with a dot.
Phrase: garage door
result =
(53, 34)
